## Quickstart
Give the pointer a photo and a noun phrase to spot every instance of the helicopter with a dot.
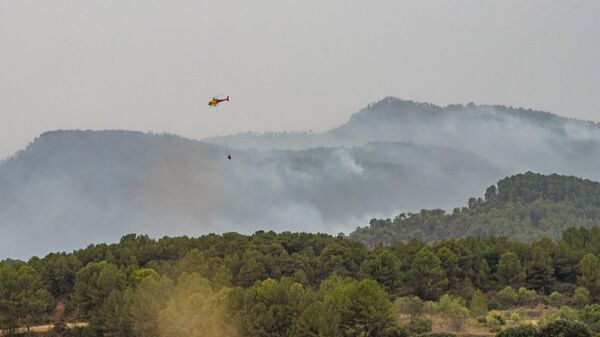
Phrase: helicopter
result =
(215, 100)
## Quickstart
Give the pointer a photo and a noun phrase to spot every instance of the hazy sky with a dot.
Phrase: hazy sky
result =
(289, 65)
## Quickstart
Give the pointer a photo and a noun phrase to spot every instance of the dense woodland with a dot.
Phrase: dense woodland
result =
(523, 207)
(393, 155)
(300, 284)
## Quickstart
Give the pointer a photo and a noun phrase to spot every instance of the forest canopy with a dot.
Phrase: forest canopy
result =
(524, 207)
(290, 284)
(295, 284)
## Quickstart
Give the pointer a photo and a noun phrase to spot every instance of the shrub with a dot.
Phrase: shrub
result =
(454, 311)
(526, 296)
(493, 320)
(590, 315)
(563, 328)
(508, 296)
(556, 299)
(565, 313)
(419, 326)
(396, 332)
(581, 296)
(479, 304)
(411, 306)
(515, 317)
(521, 331)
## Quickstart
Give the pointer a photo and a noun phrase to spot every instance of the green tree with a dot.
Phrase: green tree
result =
(23, 300)
(147, 301)
(355, 308)
(252, 268)
(384, 268)
(136, 276)
(539, 270)
(426, 277)
(113, 318)
(58, 271)
(222, 277)
(509, 270)
(589, 269)
(94, 283)
(449, 263)
(196, 310)
(269, 307)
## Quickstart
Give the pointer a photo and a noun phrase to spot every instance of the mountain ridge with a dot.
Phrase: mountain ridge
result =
(402, 106)
(524, 207)
(87, 186)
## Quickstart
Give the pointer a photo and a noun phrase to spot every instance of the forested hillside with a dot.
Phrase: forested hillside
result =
(299, 284)
(70, 188)
(513, 139)
(523, 207)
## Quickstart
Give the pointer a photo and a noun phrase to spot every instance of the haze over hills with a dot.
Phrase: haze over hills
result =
(70, 188)
(513, 139)
(525, 207)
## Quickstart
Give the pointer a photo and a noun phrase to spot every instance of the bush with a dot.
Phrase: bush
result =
(581, 297)
(522, 331)
(454, 311)
(396, 332)
(508, 296)
(556, 299)
(419, 326)
(526, 296)
(80, 332)
(493, 320)
(411, 306)
(479, 304)
(515, 317)
(590, 315)
(59, 328)
(563, 329)
(436, 334)
(565, 313)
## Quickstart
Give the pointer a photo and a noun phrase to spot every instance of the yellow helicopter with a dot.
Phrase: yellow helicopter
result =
(215, 100)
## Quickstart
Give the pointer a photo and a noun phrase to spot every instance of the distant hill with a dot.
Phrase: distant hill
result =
(523, 207)
(70, 188)
(514, 140)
